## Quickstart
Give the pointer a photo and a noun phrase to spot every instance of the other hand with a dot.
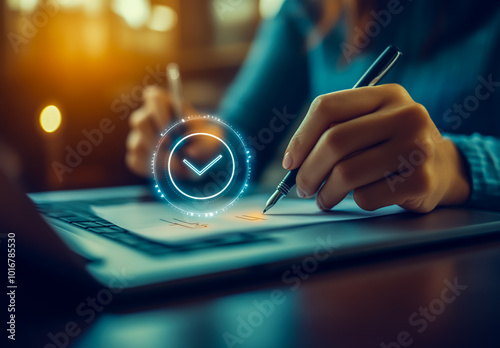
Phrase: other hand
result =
(146, 125)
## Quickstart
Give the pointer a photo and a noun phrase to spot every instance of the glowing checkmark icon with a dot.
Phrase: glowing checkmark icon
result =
(207, 167)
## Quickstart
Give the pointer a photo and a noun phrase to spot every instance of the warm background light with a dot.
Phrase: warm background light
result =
(25, 6)
(134, 12)
(96, 56)
(163, 18)
(50, 119)
(269, 8)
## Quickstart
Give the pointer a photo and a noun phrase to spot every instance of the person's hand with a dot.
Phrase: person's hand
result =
(379, 143)
(146, 125)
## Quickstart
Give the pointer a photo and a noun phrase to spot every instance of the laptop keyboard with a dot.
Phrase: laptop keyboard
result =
(79, 214)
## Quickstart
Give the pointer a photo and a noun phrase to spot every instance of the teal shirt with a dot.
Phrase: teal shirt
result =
(448, 67)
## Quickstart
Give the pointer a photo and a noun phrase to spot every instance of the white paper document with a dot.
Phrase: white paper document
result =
(157, 221)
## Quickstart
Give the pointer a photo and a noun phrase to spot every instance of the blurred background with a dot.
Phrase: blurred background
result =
(70, 67)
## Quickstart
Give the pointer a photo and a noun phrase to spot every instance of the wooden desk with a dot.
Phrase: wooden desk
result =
(404, 301)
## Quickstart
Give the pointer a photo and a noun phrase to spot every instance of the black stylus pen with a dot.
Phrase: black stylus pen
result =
(372, 76)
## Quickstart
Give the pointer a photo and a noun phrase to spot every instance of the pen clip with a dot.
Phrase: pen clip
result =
(380, 67)
(384, 71)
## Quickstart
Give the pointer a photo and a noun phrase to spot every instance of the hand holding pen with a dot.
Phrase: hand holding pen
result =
(383, 146)
(160, 108)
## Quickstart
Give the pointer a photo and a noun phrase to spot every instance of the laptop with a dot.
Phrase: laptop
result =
(60, 231)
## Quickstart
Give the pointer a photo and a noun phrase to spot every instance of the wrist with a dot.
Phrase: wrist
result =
(456, 174)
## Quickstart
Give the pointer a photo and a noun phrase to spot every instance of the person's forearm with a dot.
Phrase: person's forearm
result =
(482, 157)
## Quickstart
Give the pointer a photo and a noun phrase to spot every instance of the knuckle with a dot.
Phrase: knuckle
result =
(332, 138)
(416, 114)
(135, 142)
(419, 109)
(132, 119)
(343, 173)
(138, 118)
(319, 104)
(154, 92)
(396, 91)
(131, 142)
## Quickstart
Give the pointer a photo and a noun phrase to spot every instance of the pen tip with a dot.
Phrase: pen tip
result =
(264, 211)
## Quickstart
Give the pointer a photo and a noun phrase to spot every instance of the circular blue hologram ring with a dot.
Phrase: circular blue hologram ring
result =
(170, 159)
(201, 166)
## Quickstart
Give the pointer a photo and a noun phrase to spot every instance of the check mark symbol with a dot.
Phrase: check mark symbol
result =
(207, 167)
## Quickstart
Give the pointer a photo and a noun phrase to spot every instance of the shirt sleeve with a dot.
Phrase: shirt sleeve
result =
(482, 154)
(271, 87)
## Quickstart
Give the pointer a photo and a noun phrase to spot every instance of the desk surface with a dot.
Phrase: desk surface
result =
(409, 298)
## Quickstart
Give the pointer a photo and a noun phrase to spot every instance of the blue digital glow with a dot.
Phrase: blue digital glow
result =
(170, 160)
(167, 185)
(200, 172)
